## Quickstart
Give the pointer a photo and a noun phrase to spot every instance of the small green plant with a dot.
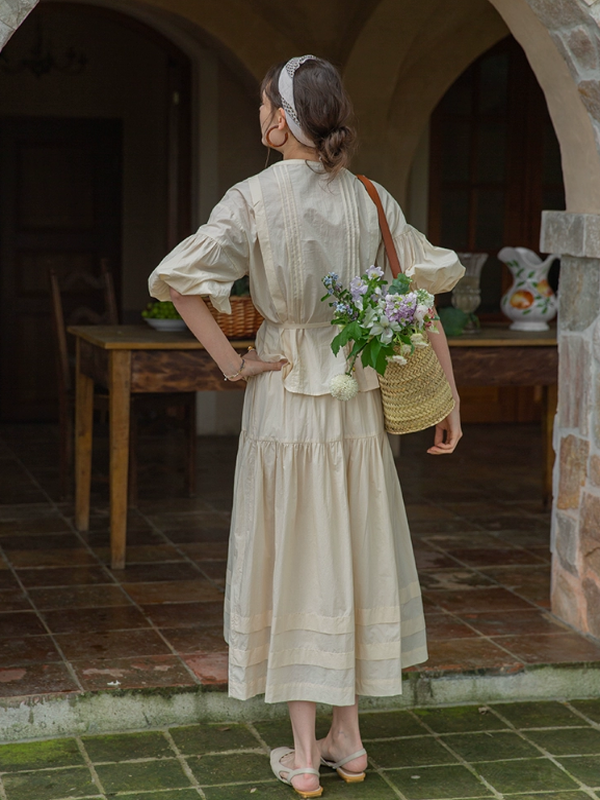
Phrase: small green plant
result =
(241, 287)
(454, 320)
(161, 309)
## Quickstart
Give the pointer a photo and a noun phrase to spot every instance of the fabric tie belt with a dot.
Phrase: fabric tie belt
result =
(298, 326)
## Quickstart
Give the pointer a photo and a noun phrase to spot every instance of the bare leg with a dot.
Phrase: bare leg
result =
(344, 739)
(306, 752)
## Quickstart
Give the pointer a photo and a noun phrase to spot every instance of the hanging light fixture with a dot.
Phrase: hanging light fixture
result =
(41, 60)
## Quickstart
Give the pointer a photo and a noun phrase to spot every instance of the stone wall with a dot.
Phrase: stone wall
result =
(576, 511)
(12, 14)
(574, 26)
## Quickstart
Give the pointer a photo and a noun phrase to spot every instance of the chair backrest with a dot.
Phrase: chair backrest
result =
(60, 335)
(110, 297)
(80, 315)
(82, 280)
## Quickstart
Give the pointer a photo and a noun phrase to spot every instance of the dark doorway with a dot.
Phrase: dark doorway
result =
(60, 207)
(93, 164)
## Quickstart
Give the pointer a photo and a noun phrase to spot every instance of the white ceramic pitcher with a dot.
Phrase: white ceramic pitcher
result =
(530, 302)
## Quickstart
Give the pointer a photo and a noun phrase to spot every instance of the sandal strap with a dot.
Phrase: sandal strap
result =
(302, 771)
(361, 752)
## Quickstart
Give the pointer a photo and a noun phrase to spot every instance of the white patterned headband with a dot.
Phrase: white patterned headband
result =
(286, 91)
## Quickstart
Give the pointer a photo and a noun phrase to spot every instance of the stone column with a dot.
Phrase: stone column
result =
(576, 504)
(12, 14)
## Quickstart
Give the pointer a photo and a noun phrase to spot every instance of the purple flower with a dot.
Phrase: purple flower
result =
(357, 288)
(374, 272)
(400, 308)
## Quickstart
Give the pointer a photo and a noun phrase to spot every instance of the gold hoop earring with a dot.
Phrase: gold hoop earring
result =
(270, 143)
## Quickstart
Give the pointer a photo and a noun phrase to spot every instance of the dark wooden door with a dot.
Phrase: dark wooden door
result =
(60, 207)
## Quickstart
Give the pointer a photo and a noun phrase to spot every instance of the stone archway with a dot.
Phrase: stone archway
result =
(12, 14)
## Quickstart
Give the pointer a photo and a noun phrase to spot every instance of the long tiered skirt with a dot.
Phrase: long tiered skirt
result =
(322, 600)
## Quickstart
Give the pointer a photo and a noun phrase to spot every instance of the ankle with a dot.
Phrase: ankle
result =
(307, 758)
(344, 737)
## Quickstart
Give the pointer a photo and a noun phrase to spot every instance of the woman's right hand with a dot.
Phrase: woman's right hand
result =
(254, 366)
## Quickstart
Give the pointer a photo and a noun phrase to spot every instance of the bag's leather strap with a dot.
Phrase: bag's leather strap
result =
(388, 242)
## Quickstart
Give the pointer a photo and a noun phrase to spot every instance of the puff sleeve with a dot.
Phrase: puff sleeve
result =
(208, 262)
(435, 269)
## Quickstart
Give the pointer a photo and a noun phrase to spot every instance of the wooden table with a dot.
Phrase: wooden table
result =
(497, 356)
(135, 359)
(130, 359)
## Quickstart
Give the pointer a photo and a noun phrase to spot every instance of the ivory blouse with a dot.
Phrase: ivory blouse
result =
(257, 230)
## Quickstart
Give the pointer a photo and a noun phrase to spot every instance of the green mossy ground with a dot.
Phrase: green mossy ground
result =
(522, 751)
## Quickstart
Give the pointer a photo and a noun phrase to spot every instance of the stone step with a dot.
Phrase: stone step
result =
(45, 716)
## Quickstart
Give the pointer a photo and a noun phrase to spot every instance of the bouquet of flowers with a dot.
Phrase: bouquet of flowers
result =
(383, 322)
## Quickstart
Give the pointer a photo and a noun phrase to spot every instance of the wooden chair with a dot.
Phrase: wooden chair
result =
(140, 404)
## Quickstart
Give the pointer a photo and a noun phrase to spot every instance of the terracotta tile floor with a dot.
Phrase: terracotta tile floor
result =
(68, 623)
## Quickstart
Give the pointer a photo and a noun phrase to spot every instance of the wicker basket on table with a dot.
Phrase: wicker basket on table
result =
(244, 320)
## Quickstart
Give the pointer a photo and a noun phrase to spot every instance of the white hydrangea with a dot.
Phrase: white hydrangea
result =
(421, 312)
(419, 340)
(398, 360)
(343, 387)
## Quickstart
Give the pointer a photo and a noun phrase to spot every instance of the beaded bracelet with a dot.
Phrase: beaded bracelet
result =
(235, 374)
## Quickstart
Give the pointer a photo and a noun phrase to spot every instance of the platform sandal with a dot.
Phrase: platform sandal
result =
(278, 768)
(349, 777)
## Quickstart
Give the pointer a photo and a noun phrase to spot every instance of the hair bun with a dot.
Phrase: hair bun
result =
(335, 148)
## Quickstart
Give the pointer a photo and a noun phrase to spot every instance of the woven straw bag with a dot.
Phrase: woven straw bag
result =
(415, 395)
(244, 320)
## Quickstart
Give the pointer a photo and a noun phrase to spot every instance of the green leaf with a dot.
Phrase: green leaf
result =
(357, 347)
(453, 320)
(374, 351)
(339, 341)
(381, 364)
(345, 335)
(354, 331)
(400, 284)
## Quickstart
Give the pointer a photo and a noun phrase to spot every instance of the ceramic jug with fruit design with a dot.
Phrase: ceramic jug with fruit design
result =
(530, 302)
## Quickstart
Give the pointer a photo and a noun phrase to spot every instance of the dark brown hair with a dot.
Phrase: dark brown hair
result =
(323, 108)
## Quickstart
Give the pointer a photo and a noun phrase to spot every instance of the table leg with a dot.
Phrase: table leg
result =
(119, 401)
(84, 423)
(549, 404)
